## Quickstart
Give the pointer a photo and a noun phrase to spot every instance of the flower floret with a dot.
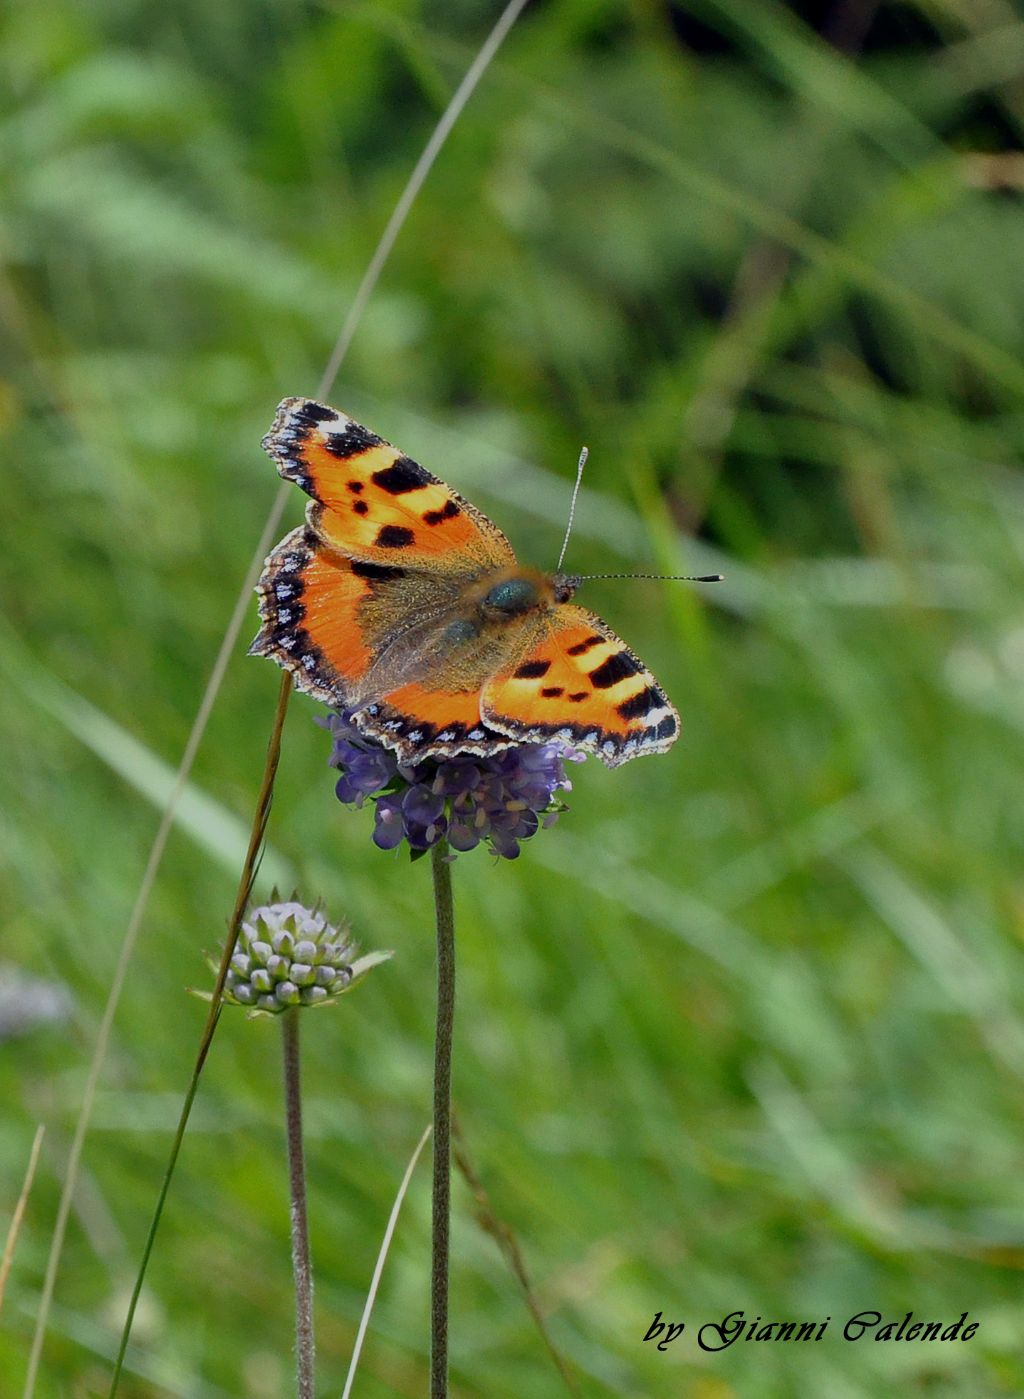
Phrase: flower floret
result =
(498, 800)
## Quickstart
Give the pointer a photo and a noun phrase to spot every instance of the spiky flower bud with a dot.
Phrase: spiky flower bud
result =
(290, 955)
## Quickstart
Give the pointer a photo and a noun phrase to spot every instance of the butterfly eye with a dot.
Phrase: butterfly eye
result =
(512, 596)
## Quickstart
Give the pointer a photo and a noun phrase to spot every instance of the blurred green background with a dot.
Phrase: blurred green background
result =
(744, 1030)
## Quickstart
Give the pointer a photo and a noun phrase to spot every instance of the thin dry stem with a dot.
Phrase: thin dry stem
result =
(19, 1211)
(153, 861)
(259, 826)
(502, 1234)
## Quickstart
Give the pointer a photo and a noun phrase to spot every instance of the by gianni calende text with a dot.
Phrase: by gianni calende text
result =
(720, 1335)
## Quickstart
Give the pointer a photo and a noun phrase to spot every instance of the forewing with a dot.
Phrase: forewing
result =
(580, 682)
(372, 502)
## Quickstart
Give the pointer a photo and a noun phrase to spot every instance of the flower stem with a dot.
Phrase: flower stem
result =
(441, 1199)
(302, 1267)
(259, 826)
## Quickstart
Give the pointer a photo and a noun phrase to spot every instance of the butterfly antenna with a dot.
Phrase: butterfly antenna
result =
(584, 453)
(662, 577)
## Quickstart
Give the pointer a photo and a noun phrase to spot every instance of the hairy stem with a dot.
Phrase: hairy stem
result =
(302, 1267)
(441, 1199)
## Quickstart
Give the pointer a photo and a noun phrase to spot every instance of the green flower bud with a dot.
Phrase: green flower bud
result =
(289, 955)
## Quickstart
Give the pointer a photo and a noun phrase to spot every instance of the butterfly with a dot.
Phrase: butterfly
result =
(403, 604)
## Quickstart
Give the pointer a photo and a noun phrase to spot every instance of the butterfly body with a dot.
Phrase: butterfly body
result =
(401, 602)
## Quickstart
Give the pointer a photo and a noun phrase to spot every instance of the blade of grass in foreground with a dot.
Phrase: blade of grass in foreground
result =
(385, 1245)
(442, 130)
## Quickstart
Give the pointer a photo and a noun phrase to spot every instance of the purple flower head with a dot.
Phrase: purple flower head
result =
(498, 801)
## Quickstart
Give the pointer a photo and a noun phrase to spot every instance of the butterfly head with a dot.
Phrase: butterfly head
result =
(565, 585)
(520, 591)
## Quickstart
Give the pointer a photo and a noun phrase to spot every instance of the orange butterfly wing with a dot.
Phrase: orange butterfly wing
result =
(580, 682)
(372, 502)
(328, 600)
(309, 608)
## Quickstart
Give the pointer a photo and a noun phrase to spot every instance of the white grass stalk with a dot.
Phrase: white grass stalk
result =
(371, 1296)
